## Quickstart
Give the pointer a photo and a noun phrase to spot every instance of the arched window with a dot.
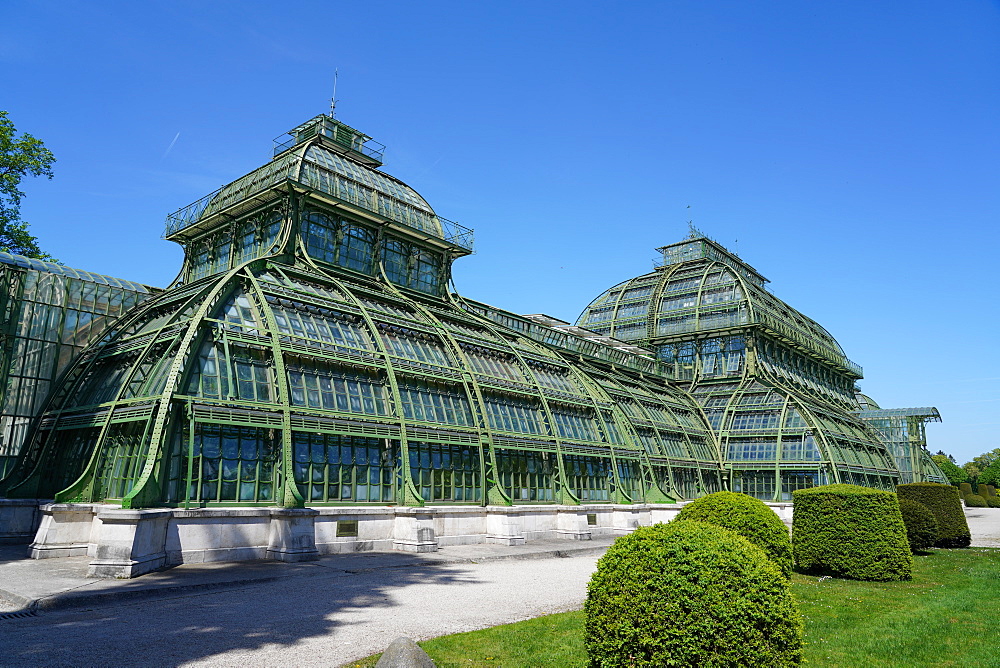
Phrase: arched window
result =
(426, 274)
(356, 248)
(319, 232)
(395, 260)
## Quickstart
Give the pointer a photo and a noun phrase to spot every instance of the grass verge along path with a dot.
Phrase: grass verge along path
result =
(944, 616)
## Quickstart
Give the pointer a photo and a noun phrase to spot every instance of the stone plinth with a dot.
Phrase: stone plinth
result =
(127, 543)
(292, 534)
(65, 530)
(625, 521)
(413, 531)
(571, 524)
(132, 542)
(200, 535)
(504, 526)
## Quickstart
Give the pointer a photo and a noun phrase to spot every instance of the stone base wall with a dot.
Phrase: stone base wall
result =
(19, 520)
(126, 543)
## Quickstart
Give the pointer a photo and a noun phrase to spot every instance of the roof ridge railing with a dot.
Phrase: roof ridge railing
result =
(772, 322)
(570, 342)
(357, 194)
(376, 151)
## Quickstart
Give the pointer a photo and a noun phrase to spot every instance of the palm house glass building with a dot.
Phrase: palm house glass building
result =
(311, 353)
(775, 387)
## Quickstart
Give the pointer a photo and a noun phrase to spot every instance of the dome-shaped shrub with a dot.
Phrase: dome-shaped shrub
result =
(991, 491)
(689, 594)
(850, 532)
(750, 518)
(953, 530)
(964, 489)
(982, 490)
(921, 527)
(975, 501)
(993, 502)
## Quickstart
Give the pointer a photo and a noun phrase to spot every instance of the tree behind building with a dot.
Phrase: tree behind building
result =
(20, 156)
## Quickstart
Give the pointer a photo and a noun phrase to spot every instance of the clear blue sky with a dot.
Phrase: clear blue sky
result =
(849, 151)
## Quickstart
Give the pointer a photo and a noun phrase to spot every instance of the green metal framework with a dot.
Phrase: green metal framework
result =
(48, 314)
(904, 432)
(310, 354)
(774, 385)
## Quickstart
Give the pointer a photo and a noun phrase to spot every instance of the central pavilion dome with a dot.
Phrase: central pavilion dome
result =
(774, 385)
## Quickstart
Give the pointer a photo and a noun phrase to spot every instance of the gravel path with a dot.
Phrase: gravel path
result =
(309, 621)
(984, 524)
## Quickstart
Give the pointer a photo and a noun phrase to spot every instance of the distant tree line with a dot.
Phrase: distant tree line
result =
(982, 470)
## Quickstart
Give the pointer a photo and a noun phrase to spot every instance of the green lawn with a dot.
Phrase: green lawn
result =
(945, 616)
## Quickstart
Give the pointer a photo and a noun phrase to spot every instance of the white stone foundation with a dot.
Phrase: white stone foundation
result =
(127, 543)
(19, 520)
(132, 542)
(65, 531)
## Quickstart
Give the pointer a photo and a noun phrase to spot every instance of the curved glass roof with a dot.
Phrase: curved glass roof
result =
(315, 165)
(762, 422)
(381, 182)
(287, 352)
(704, 296)
(53, 268)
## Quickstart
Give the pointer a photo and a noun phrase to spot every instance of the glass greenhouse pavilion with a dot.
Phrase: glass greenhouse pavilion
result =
(310, 354)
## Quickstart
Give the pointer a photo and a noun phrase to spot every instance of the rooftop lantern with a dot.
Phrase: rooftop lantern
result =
(335, 135)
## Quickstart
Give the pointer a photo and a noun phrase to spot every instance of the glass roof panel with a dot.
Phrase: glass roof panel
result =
(384, 183)
(53, 268)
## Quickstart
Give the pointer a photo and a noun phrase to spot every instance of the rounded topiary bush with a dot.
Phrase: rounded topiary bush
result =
(851, 532)
(943, 501)
(982, 491)
(921, 527)
(975, 501)
(689, 593)
(750, 518)
(991, 491)
(993, 502)
(964, 489)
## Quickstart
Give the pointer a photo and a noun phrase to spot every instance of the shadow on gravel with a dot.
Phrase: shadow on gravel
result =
(13, 552)
(201, 623)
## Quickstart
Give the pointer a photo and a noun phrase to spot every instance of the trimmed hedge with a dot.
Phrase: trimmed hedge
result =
(689, 593)
(750, 518)
(993, 502)
(975, 501)
(953, 530)
(991, 490)
(982, 491)
(964, 489)
(850, 532)
(921, 527)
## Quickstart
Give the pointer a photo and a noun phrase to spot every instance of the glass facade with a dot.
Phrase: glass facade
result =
(50, 314)
(310, 353)
(774, 386)
(905, 434)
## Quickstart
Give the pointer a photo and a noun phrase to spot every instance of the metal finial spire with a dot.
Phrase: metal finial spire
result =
(333, 100)
(693, 232)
